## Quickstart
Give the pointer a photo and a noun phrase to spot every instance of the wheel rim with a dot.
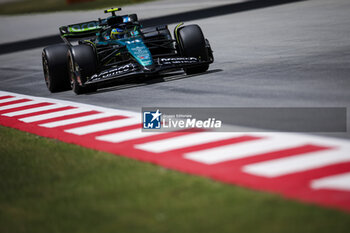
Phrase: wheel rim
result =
(71, 73)
(46, 71)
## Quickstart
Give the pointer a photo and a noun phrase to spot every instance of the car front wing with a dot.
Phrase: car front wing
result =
(134, 69)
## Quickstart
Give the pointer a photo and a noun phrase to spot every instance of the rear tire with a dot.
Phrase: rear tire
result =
(192, 44)
(54, 61)
(82, 63)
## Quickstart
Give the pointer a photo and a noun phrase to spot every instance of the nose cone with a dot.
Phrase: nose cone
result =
(140, 52)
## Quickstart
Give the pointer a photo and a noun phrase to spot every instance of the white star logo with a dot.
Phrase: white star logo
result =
(156, 115)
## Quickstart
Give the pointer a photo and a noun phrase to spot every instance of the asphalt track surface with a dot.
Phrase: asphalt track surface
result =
(268, 54)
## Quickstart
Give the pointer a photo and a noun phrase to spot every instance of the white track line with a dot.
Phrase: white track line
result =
(33, 110)
(72, 104)
(77, 120)
(104, 126)
(243, 149)
(10, 99)
(270, 142)
(126, 135)
(53, 115)
(184, 141)
(10, 106)
(337, 182)
(298, 163)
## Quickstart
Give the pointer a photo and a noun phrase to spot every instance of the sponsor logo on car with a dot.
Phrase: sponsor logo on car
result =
(113, 72)
(178, 60)
(83, 27)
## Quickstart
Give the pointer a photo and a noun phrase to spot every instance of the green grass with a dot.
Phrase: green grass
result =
(36, 6)
(49, 186)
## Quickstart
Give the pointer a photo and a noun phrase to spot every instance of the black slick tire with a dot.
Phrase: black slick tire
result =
(54, 61)
(82, 63)
(192, 44)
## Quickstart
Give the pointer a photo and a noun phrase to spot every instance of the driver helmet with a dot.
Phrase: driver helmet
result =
(117, 33)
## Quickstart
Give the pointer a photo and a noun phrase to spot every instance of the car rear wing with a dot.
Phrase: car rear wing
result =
(90, 28)
(80, 30)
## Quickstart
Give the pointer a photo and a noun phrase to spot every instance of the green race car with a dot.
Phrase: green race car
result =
(118, 47)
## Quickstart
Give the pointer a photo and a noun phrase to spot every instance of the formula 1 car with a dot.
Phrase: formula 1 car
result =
(117, 47)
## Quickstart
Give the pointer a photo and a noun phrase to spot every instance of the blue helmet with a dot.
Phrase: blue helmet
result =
(117, 33)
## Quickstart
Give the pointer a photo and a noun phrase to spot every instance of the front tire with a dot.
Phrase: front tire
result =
(192, 44)
(82, 63)
(54, 61)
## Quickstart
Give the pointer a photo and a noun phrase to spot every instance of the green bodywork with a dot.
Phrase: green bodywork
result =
(80, 29)
(84, 27)
(132, 40)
